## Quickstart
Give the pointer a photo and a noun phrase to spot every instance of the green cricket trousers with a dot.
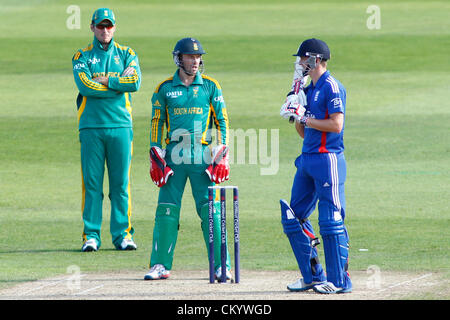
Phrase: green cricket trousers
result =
(167, 217)
(113, 146)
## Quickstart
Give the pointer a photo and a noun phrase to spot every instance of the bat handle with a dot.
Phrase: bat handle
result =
(297, 86)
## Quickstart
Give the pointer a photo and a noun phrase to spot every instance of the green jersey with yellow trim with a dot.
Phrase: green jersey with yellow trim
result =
(189, 109)
(101, 106)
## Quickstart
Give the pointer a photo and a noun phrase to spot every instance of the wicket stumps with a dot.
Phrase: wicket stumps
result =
(223, 235)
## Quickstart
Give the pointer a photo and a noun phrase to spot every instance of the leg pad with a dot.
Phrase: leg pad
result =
(302, 240)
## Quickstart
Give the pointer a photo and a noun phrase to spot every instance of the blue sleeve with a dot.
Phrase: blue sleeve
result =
(336, 98)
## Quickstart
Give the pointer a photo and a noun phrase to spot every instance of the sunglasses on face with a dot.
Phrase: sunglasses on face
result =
(103, 26)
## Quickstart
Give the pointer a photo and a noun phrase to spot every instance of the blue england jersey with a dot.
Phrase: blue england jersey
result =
(326, 97)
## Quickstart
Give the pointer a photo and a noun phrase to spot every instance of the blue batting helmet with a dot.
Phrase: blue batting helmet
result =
(315, 47)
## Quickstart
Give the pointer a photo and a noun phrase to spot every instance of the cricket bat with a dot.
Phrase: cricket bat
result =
(298, 82)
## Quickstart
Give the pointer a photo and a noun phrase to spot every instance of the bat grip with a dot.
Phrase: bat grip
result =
(297, 85)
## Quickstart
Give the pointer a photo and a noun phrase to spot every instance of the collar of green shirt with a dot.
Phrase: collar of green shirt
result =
(177, 81)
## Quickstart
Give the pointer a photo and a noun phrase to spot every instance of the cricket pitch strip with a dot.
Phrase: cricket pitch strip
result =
(194, 285)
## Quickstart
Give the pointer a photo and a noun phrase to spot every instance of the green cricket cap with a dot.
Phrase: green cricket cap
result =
(103, 14)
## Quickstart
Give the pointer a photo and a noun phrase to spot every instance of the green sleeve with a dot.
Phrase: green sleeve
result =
(130, 83)
(220, 115)
(83, 80)
(158, 120)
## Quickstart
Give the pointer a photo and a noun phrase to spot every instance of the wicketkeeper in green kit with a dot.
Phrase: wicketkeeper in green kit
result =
(188, 104)
(105, 74)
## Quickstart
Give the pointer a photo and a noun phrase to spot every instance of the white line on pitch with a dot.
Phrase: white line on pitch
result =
(407, 281)
(46, 285)
(88, 290)
(43, 286)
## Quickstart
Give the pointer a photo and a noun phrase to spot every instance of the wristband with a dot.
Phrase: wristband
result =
(303, 120)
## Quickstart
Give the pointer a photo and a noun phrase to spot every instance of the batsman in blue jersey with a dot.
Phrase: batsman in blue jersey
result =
(319, 113)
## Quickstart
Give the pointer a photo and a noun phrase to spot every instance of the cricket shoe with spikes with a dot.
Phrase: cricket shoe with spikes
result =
(300, 285)
(127, 244)
(157, 272)
(218, 274)
(89, 245)
(330, 288)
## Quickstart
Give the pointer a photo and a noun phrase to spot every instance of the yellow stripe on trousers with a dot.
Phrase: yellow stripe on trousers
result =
(83, 199)
(128, 236)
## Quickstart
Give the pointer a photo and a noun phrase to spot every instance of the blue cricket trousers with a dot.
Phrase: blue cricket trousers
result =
(320, 179)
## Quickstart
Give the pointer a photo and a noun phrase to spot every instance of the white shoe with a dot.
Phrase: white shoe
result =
(158, 271)
(300, 285)
(127, 244)
(330, 288)
(218, 274)
(89, 245)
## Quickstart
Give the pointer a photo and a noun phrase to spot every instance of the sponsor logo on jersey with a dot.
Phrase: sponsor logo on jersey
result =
(219, 99)
(78, 66)
(337, 102)
(174, 94)
(94, 60)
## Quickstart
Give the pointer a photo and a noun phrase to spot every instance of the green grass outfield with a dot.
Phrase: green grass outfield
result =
(396, 134)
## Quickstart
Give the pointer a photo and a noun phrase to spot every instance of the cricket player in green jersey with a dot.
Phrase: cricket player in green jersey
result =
(188, 104)
(105, 74)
